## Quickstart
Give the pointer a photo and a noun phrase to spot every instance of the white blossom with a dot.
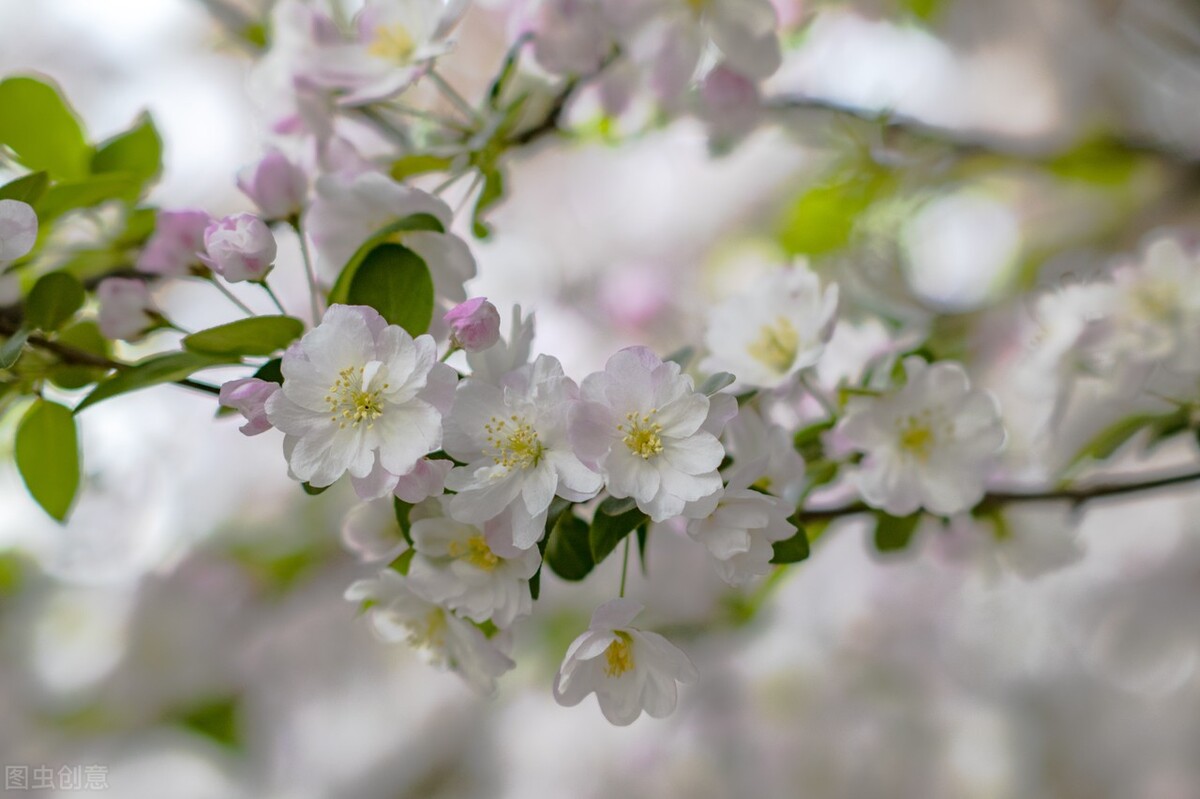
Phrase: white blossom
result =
(482, 578)
(440, 637)
(739, 531)
(357, 393)
(513, 438)
(751, 439)
(645, 428)
(629, 670)
(776, 328)
(927, 445)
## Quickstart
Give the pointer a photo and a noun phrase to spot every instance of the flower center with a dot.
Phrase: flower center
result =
(643, 436)
(696, 6)
(516, 442)
(917, 436)
(1157, 300)
(427, 632)
(475, 551)
(351, 403)
(393, 43)
(776, 345)
(619, 655)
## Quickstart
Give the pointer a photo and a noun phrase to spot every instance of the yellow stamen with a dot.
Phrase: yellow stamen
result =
(515, 442)
(776, 346)
(619, 655)
(350, 403)
(392, 42)
(643, 435)
(476, 552)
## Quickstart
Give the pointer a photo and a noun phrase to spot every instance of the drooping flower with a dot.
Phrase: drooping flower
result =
(778, 327)
(348, 210)
(739, 528)
(18, 229)
(474, 324)
(514, 441)
(248, 396)
(276, 185)
(359, 393)
(239, 247)
(178, 241)
(642, 425)
(629, 670)
(481, 577)
(928, 445)
(440, 637)
(127, 311)
(729, 104)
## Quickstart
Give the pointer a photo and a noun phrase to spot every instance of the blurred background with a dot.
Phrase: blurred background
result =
(186, 630)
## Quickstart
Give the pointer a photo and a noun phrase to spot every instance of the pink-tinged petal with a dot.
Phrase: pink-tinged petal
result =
(379, 483)
(427, 479)
(575, 479)
(407, 434)
(694, 455)
(591, 430)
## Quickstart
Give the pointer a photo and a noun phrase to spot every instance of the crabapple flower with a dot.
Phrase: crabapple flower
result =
(248, 396)
(729, 104)
(629, 670)
(178, 241)
(739, 531)
(276, 185)
(440, 637)
(18, 229)
(457, 566)
(514, 441)
(774, 330)
(127, 311)
(928, 445)
(359, 394)
(239, 247)
(643, 426)
(474, 324)
(750, 439)
(573, 37)
(371, 532)
(348, 210)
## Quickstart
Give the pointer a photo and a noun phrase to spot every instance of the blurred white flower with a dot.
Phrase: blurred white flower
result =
(629, 670)
(750, 439)
(174, 249)
(18, 229)
(276, 185)
(773, 330)
(928, 445)
(127, 311)
(442, 638)
(739, 528)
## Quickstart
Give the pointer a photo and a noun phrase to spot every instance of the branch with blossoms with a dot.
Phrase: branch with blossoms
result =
(479, 462)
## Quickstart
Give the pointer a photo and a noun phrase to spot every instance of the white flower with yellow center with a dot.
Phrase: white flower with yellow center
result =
(396, 614)
(772, 331)
(928, 445)
(456, 566)
(359, 395)
(629, 670)
(646, 429)
(513, 439)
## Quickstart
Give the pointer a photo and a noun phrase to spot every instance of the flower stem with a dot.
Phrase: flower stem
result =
(229, 294)
(451, 94)
(624, 566)
(310, 273)
(274, 298)
(816, 393)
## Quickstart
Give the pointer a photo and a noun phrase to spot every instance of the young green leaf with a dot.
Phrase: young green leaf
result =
(791, 550)
(392, 234)
(610, 527)
(403, 509)
(137, 152)
(86, 337)
(715, 383)
(567, 551)
(47, 455)
(27, 188)
(86, 192)
(152, 371)
(10, 351)
(893, 533)
(39, 126)
(53, 300)
(394, 280)
(258, 335)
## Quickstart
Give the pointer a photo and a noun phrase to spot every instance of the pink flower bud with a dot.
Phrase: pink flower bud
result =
(126, 309)
(474, 325)
(239, 247)
(249, 397)
(729, 103)
(174, 249)
(277, 186)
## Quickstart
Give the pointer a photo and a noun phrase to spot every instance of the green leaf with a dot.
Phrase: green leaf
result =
(807, 440)
(791, 550)
(492, 193)
(42, 129)
(403, 509)
(258, 335)
(216, 720)
(643, 538)
(419, 164)
(27, 188)
(84, 336)
(271, 371)
(823, 219)
(392, 234)
(567, 552)
(1105, 444)
(610, 527)
(682, 356)
(403, 561)
(136, 152)
(394, 280)
(152, 371)
(1098, 161)
(53, 300)
(312, 490)
(84, 193)
(558, 506)
(924, 10)
(715, 383)
(12, 348)
(47, 455)
(893, 533)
